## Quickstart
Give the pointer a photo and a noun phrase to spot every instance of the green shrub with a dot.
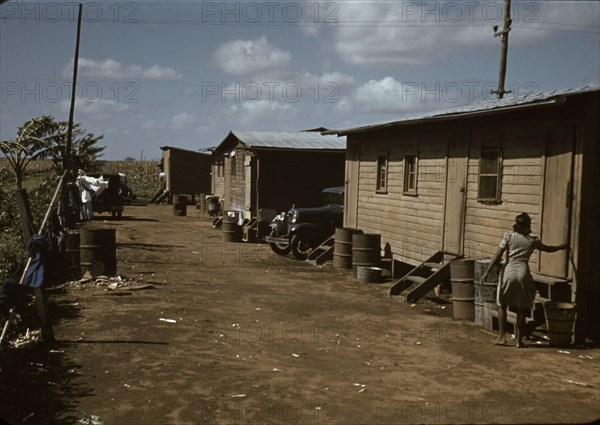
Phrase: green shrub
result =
(13, 254)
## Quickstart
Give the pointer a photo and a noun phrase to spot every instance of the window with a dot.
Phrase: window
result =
(382, 171)
(233, 166)
(490, 165)
(219, 167)
(410, 174)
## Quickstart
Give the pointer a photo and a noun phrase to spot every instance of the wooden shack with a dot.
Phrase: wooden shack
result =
(186, 172)
(261, 170)
(454, 181)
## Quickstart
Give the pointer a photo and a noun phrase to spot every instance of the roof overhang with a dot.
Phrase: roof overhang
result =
(558, 100)
(199, 152)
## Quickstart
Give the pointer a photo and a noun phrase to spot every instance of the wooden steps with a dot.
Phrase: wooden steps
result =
(553, 289)
(425, 277)
(322, 253)
(248, 228)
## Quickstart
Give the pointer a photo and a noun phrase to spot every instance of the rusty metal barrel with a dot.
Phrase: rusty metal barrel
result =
(486, 291)
(180, 205)
(232, 231)
(366, 274)
(463, 291)
(366, 251)
(98, 251)
(560, 321)
(73, 255)
(342, 248)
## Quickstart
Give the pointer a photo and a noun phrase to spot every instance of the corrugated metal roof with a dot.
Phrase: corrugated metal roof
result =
(290, 140)
(200, 151)
(486, 106)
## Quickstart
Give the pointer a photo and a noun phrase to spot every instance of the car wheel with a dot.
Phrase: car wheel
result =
(302, 244)
(279, 248)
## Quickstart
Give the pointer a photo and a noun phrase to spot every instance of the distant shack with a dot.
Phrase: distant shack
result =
(186, 172)
(257, 170)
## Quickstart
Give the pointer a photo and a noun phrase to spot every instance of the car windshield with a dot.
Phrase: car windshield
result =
(334, 198)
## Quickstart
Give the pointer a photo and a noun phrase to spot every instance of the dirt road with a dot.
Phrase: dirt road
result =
(251, 337)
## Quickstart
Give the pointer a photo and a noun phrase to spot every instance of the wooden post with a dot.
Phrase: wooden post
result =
(41, 299)
(504, 53)
(67, 153)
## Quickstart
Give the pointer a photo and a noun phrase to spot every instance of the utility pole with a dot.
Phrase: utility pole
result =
(67, 153)
(504, 50)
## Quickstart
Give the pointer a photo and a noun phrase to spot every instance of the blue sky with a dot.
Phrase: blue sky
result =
(185, 73)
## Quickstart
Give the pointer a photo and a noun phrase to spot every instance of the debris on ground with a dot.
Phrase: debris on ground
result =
(108, 283)
(363, 387)
(28, 416)
(582, 384)
(92, 420)
(30, 337)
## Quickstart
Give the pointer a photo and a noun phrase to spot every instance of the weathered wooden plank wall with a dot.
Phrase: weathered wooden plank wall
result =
(187, 172)
(412, 225)
(218, 177)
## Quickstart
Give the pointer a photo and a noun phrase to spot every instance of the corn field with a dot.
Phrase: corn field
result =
(142, 176)
(36, 173)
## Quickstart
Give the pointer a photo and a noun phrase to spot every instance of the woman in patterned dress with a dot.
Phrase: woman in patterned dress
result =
(517, 288)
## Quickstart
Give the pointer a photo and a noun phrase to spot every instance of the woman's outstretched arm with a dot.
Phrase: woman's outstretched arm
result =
(551, 248)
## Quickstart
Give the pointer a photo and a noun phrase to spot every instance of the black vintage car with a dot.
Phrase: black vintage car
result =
(125, 191)
(300, 230)
(110, 200)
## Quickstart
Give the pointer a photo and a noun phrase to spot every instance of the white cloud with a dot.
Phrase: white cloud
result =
(332, 77)
(149, 125)
(384, 96)
(98, 109)
(391, 34)
(111, 69)
(381, 37)
(263, 115)
(178, 121)
(545, 19)
(264, 106)
(182, 120)
(244, 57)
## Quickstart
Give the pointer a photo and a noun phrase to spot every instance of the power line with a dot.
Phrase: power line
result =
(394, 24)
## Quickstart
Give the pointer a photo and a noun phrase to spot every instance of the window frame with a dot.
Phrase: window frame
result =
(406, 189)
(498, 174)
(381, 184)
(220, 167)
(233, 167)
